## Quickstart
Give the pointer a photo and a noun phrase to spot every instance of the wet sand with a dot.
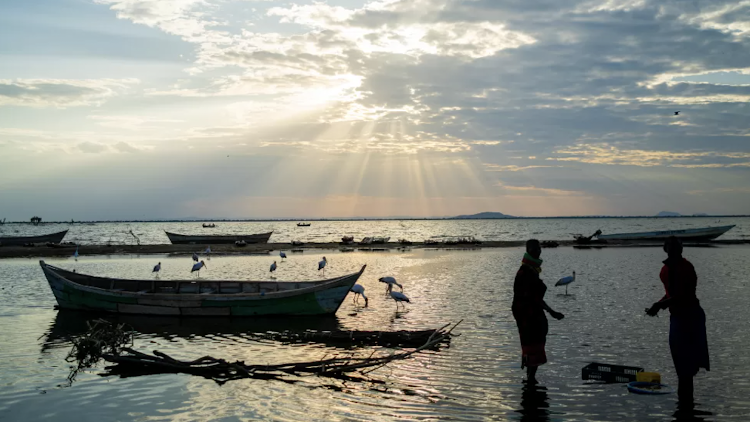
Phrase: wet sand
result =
(265, 248)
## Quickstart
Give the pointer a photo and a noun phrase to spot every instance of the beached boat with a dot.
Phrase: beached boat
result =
(701, 234)
(215, 240)
(303, 224)
(197, 297)
(22, 240)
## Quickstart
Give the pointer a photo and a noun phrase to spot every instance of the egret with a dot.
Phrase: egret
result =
(207, 251)
(399, 297)
(75, 255)
(359, 290)
(282, 254)
(196, 258)
(273, 266)
(565, 281)
(198, 266)
(390, 281)
(322, 264)
(157, 268)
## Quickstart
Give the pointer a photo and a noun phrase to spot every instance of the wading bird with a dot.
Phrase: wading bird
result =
(198, 266)
(400, 297)
(565, 281)
(273, 266)
(196, 258)
(282, 254)
(157, 268)
(390, 281)
(322, 264)
(359, 290)
(75, 255)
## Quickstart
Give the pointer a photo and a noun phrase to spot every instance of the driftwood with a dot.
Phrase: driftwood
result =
(101, 338)
(404, 338)
(346, 368)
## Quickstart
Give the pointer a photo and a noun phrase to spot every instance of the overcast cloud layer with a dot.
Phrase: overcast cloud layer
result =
(120, 109)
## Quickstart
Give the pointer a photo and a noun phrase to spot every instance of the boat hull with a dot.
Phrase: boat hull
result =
(216, 240)
(701, 234)
(22, 240)
(314, 298)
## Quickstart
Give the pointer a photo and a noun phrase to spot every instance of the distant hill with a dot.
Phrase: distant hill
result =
(668, 214)
(483, 215)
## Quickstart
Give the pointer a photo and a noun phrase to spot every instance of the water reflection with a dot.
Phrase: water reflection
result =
(68, 324)
(534, 403)
(689, 413)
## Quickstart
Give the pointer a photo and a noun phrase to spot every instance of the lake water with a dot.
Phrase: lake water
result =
(477, 378)
(415, 230)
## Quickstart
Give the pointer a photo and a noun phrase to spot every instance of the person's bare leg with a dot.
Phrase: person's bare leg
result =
(531, 374)
(685, 390)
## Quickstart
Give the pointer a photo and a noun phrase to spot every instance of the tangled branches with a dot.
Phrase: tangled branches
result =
(101, 338)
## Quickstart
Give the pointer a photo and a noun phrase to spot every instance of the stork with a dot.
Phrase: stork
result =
(196, 258)
(359, 290)
(399, 297)
(282, 254)
(565, 281)
(273, 267)
(157, 268)
(390, 281)
(198, 266)
(322, 264)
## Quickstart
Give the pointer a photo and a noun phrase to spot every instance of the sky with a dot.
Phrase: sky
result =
(149, 109)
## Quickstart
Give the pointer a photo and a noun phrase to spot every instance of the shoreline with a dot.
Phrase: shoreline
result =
(42, 251)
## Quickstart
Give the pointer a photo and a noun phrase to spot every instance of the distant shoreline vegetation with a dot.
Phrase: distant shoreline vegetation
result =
(460, 217)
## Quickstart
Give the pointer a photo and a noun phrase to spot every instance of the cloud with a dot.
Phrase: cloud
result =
(92, 147)
(537, 191)
(612, 155)
(61, 93)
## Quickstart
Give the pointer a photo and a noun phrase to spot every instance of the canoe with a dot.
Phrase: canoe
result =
(221, 239)
(702, 234)
(303, 224)
(22, 240)
(197, 297)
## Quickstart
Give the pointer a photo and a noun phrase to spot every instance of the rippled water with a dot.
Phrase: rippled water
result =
(415, 230)
(477, 377)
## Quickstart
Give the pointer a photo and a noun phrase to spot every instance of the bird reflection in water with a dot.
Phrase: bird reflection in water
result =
(534, 403)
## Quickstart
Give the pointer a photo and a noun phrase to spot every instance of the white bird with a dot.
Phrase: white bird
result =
(565, 281)
(157, 268)
(282, 254)
(359, 290)
(322, 263)
(399, 297)
(273, 266)
(207, 251)
(75, 255)
(195, 257)
(390, 281)
(198, 266)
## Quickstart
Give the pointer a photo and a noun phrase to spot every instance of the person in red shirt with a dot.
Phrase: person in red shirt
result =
(687, 322)
(528, 310)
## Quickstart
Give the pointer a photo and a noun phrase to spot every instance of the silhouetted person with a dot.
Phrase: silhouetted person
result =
(687, 322)
(528, 310)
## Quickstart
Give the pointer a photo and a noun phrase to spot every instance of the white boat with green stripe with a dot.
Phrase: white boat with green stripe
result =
(197, 297)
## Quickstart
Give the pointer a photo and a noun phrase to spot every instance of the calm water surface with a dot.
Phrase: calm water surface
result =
(477, 378)
(415, 230)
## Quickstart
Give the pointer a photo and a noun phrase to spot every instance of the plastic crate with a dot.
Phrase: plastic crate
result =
(610, 373)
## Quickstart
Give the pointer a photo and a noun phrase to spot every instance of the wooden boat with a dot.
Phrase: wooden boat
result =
(197, 297)
(303, 224)
(215, 240)
(209, 225)
(22, 240)
(701, 234)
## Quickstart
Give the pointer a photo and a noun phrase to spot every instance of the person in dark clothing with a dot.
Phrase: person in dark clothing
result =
(687, 322)
(528, 310)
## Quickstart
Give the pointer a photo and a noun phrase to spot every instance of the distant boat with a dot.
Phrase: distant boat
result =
(209, 225)
(197, 297)
(22, 240)
(223, 239)
(374, 240)
(701, 234)
(303, 224)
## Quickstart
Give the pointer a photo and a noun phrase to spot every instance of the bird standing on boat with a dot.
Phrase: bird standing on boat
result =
(390, 281)
(198, 266)
(196, 258)
(282, 254)
(359, 290)
(322, 264)
(273, 266)
(565, 281)
(399, 297)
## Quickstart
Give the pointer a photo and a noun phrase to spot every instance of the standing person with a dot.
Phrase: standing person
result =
(687, 322)
(528, 310)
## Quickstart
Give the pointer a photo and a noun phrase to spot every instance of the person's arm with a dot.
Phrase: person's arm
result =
(666, 300)
(552, 312)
